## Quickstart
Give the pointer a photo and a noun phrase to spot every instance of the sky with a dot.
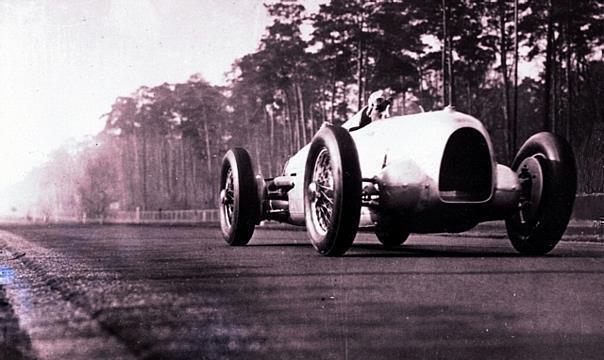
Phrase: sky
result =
(63, 63)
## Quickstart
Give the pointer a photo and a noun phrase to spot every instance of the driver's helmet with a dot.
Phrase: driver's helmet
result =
(378, 102)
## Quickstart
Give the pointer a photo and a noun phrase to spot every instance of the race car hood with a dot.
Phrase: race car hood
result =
(419, 138)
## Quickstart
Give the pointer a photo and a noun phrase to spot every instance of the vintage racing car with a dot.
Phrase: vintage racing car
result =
(424, 173)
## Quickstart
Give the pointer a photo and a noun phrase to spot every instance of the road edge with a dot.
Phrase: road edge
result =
(34, 296)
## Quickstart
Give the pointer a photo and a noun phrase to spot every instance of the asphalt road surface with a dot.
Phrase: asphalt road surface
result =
(180, 292)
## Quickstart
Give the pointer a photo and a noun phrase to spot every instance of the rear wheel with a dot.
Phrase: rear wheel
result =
(545, 166)
(239, 201)
(332, 196)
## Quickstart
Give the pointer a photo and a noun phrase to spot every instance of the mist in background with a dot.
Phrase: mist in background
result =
(64, 63)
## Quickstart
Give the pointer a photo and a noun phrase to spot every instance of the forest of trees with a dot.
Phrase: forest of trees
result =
(162, 146)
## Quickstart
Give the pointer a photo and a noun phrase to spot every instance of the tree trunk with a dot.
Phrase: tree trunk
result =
(135, 172)
(469, 96)
(420, 83)
(312, 121)
(569, 85)
(298, 116)
(286, 134)
(360, 71)
(183, 160)
(257, 152)
(443, 59)
(172, 173)
(210, 168)
(450, 60)
(555, 87)
(176, 173)
(195, 188)
(294, 115)
(294, 136)
(271, 141)
(144, 169)
(156, 193)
(547, 121)
(514, 120)
(302, 117)
(323, 105)
(506, 82)
(208, 148)
(161, 176)
(168, 173)
(333, 94)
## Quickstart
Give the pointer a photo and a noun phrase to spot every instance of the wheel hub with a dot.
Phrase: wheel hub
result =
(227, 198)
(313, 192)
(223, 197)
(530, 174)
(321, 192)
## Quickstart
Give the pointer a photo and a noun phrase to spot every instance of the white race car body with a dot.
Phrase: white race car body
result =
(434, 172)
(425, 173)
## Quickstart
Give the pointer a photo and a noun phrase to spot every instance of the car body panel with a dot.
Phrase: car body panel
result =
(403, 156)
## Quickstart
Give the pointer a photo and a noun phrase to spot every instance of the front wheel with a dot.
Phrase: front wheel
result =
(546, 170)
(239, 201)
(332, 191)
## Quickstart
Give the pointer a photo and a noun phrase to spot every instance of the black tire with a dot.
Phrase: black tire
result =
(332, 191)
(545, 165)
(239, 201)
(390, 234)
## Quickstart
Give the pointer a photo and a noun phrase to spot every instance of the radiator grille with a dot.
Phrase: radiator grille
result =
(466, 169)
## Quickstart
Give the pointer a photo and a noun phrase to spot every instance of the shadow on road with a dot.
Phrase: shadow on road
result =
(378, 250)
(365, 250)
(308, 245)
(462, 251)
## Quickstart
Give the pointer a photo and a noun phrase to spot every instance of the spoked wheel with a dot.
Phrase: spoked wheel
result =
(321, 189)
(546, 170)
(239, 201)
(332, 200)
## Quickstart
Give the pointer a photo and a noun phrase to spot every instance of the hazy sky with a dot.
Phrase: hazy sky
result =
(63, 62)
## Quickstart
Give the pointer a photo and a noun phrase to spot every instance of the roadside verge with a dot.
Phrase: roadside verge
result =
(47, 314)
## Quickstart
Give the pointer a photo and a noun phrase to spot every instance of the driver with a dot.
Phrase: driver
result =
(378, 107)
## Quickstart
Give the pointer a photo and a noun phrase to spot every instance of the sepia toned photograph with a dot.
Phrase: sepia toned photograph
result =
(301, 179)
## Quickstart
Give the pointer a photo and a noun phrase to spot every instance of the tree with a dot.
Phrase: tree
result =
(162, 145)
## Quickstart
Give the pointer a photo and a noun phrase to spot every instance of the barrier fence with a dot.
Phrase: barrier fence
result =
(206, 216)
(173, 216)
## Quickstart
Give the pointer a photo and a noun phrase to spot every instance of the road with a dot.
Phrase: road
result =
(180, 292)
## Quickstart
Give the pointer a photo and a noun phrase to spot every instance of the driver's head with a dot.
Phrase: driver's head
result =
(378, 103)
